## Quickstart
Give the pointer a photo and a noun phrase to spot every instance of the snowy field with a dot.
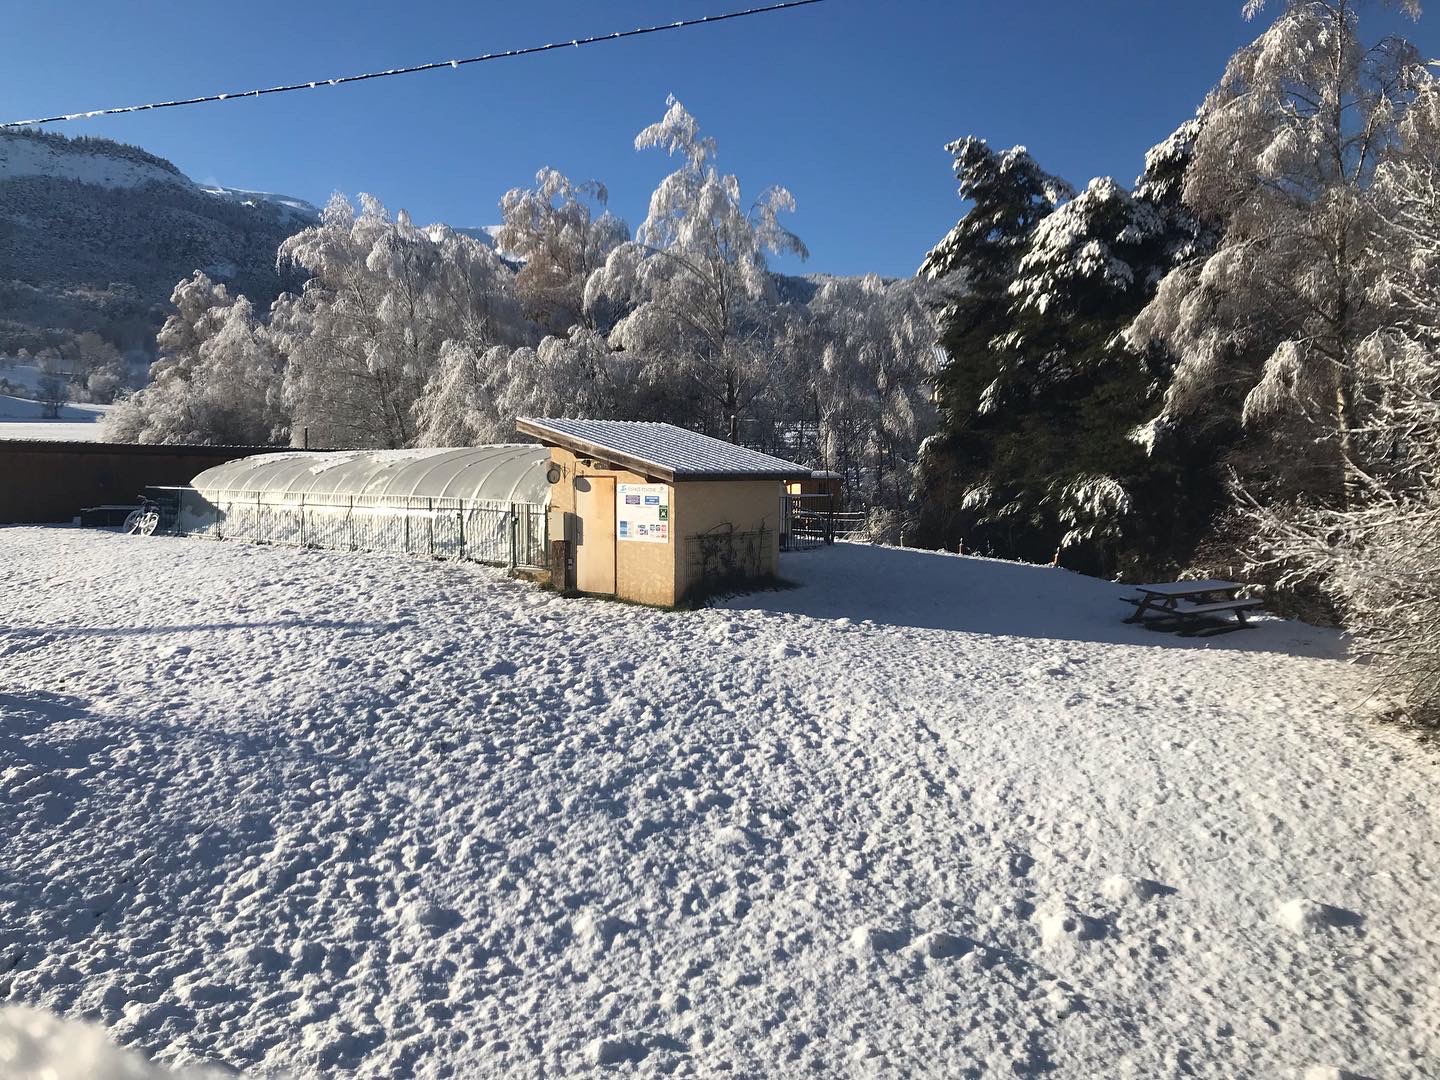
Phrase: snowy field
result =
(21, 418)
(923, 815)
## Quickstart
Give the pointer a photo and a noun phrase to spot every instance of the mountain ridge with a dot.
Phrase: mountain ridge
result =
(94, 234)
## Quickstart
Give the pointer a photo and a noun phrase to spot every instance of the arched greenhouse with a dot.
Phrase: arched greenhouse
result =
(485, 503)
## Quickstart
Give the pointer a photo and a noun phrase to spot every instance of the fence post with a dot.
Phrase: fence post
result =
(514, 531)
(463, 552)
(302, 519)
(351, 518)
(432, 527)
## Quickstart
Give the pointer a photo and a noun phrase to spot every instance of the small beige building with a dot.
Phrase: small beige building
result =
(654, 512)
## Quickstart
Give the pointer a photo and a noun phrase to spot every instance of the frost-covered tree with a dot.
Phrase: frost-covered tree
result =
(218, 378)
(1377, 558)
(554, 229)
(1266, 328)
(95, 365)
(577, 375)
(366, 336)
(459, 406)
(476, 394)
(698, 295)
(863, 355)
(52, 390)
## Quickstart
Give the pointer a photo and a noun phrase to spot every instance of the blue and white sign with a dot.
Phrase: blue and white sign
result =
(642, 513)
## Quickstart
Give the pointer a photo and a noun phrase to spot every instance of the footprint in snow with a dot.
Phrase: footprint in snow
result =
(614, 1051)
(872, 940)
(1063, 924)
(734, 838)
(1303, 916)
(1120, 888)
(939, 945)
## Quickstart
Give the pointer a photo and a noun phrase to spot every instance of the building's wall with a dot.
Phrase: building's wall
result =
(749, 506)
(53, 481)
(645, 573)
(662, 573)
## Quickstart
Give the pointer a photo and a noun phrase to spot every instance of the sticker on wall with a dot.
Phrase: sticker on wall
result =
(642, 512)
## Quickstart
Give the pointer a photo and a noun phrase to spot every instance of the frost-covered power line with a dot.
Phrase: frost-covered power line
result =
(432, 66)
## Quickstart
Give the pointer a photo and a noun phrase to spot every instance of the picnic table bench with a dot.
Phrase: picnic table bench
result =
(1192, 607)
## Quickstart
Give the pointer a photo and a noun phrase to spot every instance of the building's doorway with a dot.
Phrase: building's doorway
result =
(595, 540)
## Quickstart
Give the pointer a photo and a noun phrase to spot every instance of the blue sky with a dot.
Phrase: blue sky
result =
(847, 103)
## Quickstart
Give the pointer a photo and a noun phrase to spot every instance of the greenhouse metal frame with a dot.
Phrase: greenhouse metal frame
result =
(485, 531)
(415, 502)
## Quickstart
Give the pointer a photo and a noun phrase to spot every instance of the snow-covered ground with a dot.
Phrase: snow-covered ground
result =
(923, 815)
(21, 418)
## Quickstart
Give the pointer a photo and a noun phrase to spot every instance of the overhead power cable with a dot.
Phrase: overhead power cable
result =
(433, 66)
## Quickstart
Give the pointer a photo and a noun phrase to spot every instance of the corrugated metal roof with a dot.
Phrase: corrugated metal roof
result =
(663, 450)
(511, 472)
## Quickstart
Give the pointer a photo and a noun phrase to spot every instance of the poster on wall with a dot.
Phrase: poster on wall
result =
(642, 512)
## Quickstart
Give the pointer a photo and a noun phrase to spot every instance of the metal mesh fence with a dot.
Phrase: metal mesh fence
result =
(498, 533)
(807, 521)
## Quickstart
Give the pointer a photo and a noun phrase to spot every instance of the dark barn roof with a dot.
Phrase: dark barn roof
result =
(663, 451)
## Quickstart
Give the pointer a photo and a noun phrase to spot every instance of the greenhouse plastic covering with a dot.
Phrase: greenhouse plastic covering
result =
(502, 473)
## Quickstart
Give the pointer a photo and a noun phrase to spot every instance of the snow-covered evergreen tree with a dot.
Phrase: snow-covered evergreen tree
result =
(1039, 390)
(1008, 195)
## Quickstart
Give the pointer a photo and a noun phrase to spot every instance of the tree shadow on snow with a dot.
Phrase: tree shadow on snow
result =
(937, 591)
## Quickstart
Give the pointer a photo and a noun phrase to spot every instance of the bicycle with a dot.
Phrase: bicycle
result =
(144, 519)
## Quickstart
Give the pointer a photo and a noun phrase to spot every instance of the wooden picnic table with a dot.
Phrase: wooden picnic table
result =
(1190, 602)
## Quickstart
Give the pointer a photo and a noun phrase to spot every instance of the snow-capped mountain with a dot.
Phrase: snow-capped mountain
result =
(94, 235)
(84, 160)
(297, 211)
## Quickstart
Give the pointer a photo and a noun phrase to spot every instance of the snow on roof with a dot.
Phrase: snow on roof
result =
(511, 472)
(660, 450)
